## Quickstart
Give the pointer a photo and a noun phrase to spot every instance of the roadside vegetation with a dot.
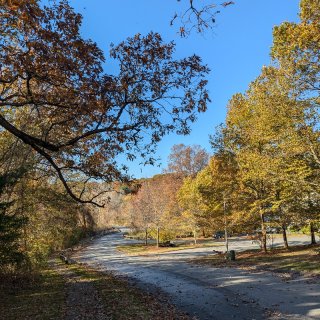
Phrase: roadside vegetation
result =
(44, 296)
(33, 296)
(122, 300)
(303, 260)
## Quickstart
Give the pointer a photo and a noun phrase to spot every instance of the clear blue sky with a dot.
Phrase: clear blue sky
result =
(235, 50)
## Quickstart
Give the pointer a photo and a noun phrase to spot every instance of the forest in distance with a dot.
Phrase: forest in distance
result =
(63, 122)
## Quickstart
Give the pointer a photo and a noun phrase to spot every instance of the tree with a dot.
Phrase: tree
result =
(160, 193)
(78, 119)
(194, 214)
(155, 203)
(261, 127)
(154, 206)
(11, 224)
(187, 160)
(142, 216)
(217, 184)
(198, 17)
(296, 50)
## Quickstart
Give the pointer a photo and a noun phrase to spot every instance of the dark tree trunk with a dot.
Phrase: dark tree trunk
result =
(263, 233)
(284, 234)
(158, 236)
(313, 237)
(203, 232)
(146, 238)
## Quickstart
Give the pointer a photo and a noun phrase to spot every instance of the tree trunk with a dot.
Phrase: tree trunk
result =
(225, 225)
(146, 238)
(263, 233)
(284, 234)
(84, 219)
(203, 232)
(313, 237)
(195, 236)
(25, 230)
(158, 236)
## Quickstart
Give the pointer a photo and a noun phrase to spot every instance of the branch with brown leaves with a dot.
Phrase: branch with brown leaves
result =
(56, 98)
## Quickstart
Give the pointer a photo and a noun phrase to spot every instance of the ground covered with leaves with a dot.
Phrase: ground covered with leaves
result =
(78, 292)
(32, 296)
(297, 260)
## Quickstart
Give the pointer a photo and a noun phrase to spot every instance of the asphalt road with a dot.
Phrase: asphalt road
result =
(210, 293)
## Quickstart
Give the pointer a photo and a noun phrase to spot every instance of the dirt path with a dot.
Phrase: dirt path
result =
(207, 292)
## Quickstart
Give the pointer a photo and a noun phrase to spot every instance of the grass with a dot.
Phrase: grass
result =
(38, 296)
(142, 249)
(301, 259)
(43, 296)
(123, 301)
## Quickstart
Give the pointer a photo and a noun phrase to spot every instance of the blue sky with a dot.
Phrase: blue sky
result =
(235, 50)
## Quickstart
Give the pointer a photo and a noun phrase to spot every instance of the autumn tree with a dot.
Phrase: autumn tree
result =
(259, 123)
(78, 118)
(190, 201)
(36, 209)
(11, 224)
(187, 160)
(160, 192)
(295, 50)
(154, 203)
(154, 207)
(141, 213)
(217, 184)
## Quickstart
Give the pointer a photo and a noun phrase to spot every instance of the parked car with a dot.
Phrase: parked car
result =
(218, 235)
(167, 244)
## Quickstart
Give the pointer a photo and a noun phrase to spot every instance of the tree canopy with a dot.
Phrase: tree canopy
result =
(57, 99)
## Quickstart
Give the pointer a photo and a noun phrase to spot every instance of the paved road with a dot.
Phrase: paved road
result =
(207, 292)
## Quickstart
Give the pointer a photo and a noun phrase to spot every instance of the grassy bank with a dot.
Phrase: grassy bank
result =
(38, 296)
(45, 296)
(301, 259)
(123, 301)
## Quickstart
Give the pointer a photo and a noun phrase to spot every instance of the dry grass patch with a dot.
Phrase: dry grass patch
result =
(142, 249)
(43, 296)
(301, 259)
(40, 296)
(123, 301)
